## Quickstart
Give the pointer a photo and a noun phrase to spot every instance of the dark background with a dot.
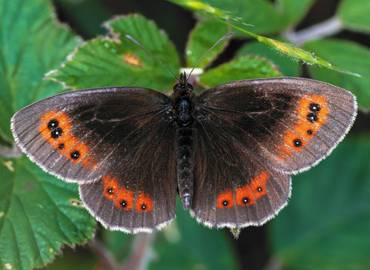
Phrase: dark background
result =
(85, 18)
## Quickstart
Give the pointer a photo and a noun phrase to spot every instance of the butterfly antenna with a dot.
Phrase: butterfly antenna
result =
(221, 39)
(151, 54)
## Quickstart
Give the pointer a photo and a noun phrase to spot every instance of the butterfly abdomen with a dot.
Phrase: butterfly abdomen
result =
(185, 166)
(184, 149)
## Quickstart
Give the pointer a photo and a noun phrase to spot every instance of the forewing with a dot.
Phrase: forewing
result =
(292, 123)
(117, 143)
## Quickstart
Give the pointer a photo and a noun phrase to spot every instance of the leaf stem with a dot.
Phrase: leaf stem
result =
(323, 29)
(138, 260)
(141, 253)
(106, 259)
(10, 152)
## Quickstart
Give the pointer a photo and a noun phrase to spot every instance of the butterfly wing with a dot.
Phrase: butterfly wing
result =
(251, 135)
(115, 143)
(233, 187)
(291, 122)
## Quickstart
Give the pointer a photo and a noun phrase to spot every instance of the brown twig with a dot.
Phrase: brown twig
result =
(105, 258)
(10, 152)
(138, 259)
(274, 264)
(141, 253)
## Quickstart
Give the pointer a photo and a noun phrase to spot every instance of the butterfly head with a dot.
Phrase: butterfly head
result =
(183, 87)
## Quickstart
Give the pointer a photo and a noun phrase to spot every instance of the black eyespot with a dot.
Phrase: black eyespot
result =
(143, 206)
(297, 142)
(225, 203)
(56, 133)
(75, 155)
(245, 200)
(124, 204)
(61, 146)
(259, 189)
(312, 117)
(314, 107)
(309, 132)
(110, 190)
(53, 123)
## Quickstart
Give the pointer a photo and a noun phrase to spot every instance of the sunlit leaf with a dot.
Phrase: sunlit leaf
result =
(203, 37)
(31, 43)
(38, 215)
(243, 27)
(117, 61)
(287, 66)
(262, 16)
(241, 68)
(346, 55)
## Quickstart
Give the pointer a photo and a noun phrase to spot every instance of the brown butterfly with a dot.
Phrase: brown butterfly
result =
(229, 152)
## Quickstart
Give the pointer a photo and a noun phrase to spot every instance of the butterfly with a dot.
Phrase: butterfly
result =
(228, 152)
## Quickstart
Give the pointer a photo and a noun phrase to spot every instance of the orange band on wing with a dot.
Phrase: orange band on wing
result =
(56, 129)
(312, 113)
(144, 203)
(225, 199)
(110, 187)
(123, 198)
(245, 195)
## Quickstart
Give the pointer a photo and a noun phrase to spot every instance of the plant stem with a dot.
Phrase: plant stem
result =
(10, 152)
(317, 31)
(106, 259)
(138, 260)
(141, 253)
(274, 264)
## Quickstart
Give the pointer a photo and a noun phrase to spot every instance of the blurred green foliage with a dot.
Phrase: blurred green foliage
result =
(327, 220)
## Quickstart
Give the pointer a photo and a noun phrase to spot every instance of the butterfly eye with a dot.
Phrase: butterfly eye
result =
(259, 189)
(225, 203)
(143, 207)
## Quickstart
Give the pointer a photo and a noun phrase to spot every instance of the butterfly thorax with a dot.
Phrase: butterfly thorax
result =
(182, 100)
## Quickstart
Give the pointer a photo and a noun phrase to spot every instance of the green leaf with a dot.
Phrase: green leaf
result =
(287, 66)
(31, 43)
(116, 61)
(201, 39)
(292, 11)
(239, 24)
(241, 68)
(327, 222)
(38, 215)
(263, 15)
(354, 15)
(197, 246)
(344, 54)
